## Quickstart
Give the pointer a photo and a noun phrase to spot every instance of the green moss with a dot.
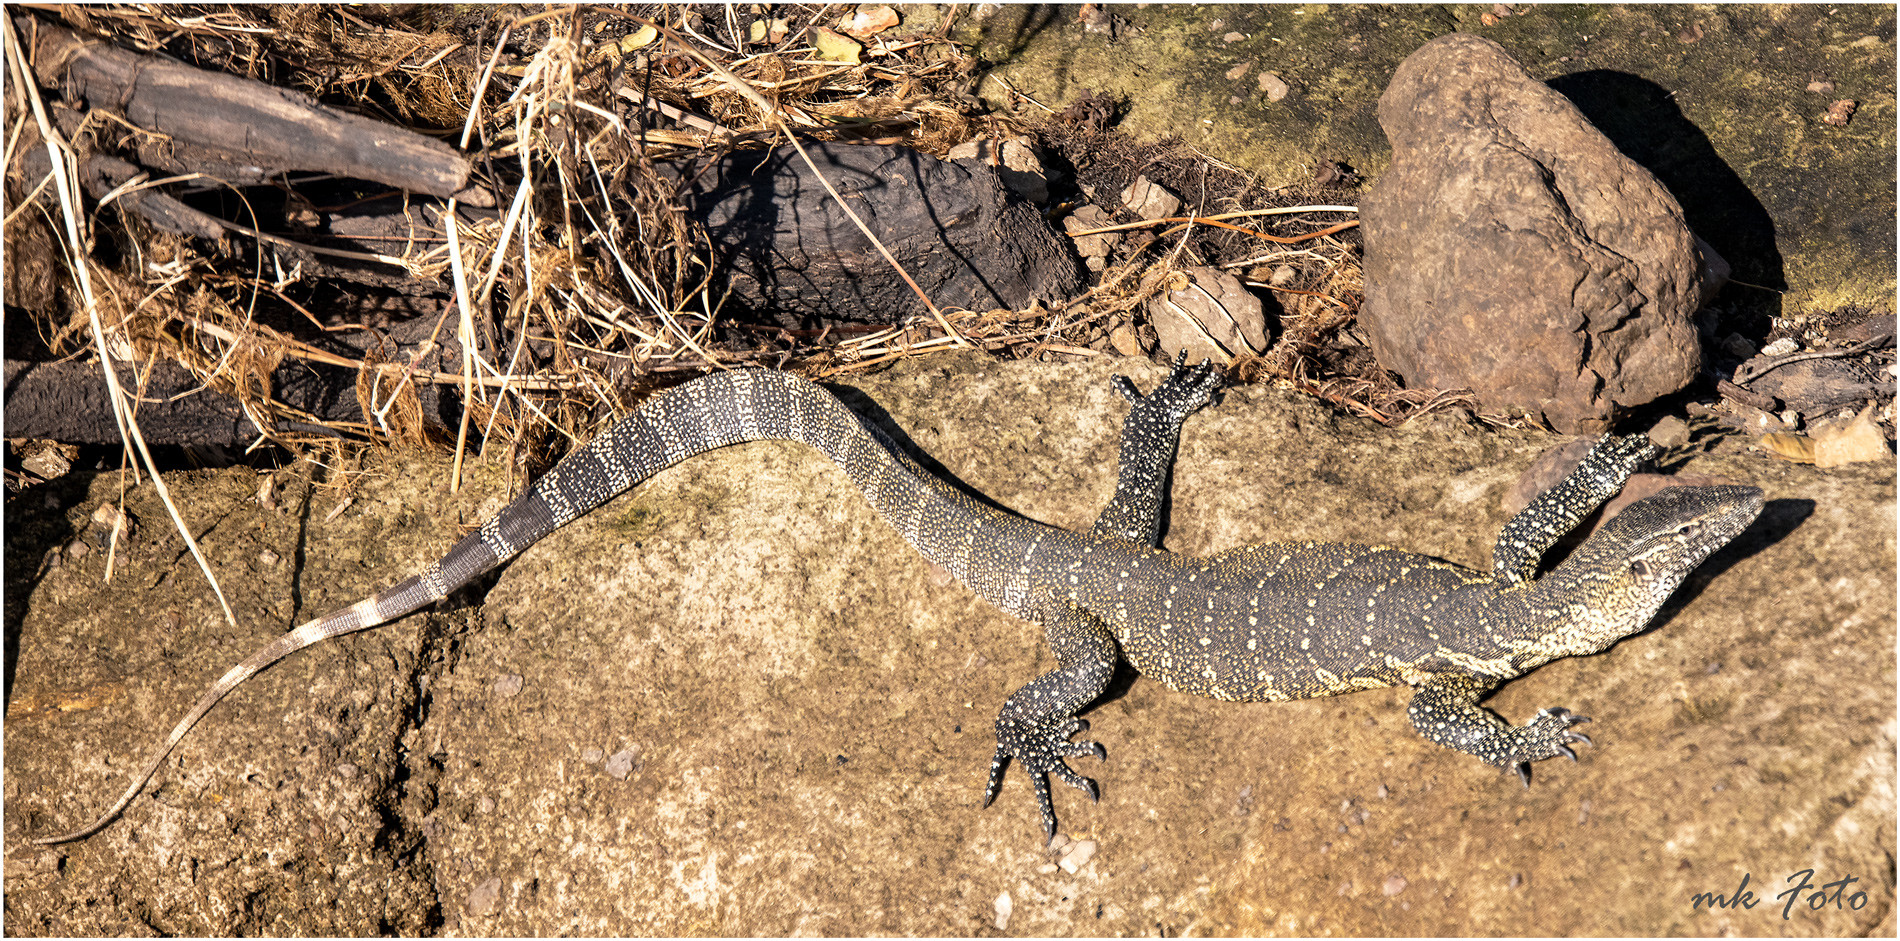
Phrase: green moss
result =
(1713, 99)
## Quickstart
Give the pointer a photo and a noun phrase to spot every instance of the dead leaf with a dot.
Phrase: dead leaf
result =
(1850, 442)
(833, 46)
(869, 20)
(1796, 448)
(638, 38)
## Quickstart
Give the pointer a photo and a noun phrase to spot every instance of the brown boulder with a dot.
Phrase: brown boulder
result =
(1513, 251)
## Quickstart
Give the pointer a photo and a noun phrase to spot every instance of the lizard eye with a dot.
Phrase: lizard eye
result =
(1690, 530)
(1639, 568)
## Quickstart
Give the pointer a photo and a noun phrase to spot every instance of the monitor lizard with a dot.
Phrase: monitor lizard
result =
(1265, 622)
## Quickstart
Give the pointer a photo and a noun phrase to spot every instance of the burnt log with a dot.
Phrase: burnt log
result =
(792, 257)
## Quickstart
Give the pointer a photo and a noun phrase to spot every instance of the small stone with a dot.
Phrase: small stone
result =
(1150, 200)
(508, 685)
(1282, 276)
(1233, 37)
(267, 557)
(1235, 73)
(1850, 442)
(485, 898)
(1737, 346)
(1091, 217)
(1079, 854)
(834, 46)
(1014, 161)
(1096, 18)
(1821, 88)
(1123, 339)
(48, 460)
(1671, 432)
(1209, 314)
(1003, 908)
(1275, 86)
(623, 763)
(592, 755)
(869, 20)
(1781, 347)
(1394, 884)
(1840, 112)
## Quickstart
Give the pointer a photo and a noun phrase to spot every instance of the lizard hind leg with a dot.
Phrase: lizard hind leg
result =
(1445, 709)
(1036, 722)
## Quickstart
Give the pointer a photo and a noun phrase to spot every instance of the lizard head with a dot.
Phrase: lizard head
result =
(1613, 583)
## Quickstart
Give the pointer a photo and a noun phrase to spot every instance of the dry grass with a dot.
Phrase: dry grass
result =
(586, 288)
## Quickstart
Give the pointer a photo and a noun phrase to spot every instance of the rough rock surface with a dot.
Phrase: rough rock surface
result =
(796, 259)
(734, 702)
(1513, 251)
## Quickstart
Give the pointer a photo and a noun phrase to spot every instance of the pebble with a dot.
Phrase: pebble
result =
(623, 763)
(1150, 200)
(1671, 432)
(485, 898)
(1078, 855)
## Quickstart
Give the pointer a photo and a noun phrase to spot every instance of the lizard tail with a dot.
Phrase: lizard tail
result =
(700, 416)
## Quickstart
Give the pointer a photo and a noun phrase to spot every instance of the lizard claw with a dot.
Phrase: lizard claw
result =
(1545, 736)
(1040, 748)
(1186, 389)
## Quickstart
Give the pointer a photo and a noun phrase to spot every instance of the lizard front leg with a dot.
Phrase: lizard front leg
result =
(1524, 540)
(1036, 721)
(1150, 434)
(1445, 709)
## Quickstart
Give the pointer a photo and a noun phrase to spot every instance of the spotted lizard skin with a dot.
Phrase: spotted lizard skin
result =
(1267, 622)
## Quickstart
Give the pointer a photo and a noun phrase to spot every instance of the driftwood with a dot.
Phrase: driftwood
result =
(247, 129)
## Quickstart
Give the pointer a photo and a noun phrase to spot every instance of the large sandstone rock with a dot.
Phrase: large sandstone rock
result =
(734, 702)
(1511, 250)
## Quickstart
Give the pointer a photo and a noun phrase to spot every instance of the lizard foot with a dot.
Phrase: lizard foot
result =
(1546, 736)
(1040, 748)
(1615, 458)
(1186, 389)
